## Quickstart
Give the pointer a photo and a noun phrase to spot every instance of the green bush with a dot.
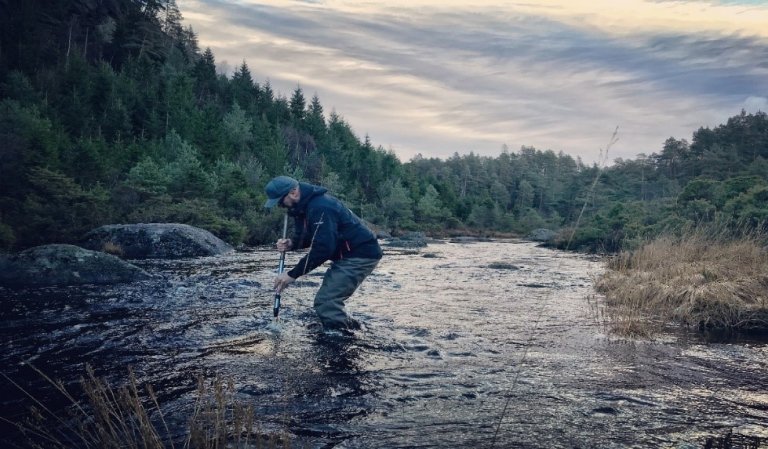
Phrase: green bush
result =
(59, 210)
(203, 214)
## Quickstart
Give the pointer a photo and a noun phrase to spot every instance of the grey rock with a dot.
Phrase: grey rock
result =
(502, 266)
(542, 235)
(469, 239)
(155, 241)
(378, 231)
(382, 234)
(60, 265)
(409, 240)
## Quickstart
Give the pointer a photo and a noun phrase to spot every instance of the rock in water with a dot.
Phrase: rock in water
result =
(409, 240)
(58, 265)
(155, 241)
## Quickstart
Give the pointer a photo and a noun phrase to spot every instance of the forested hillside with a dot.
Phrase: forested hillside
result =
(111, 113)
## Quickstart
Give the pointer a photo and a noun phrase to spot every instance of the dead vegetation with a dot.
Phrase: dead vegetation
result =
(703, 281)
(130, 416)
(113, 248)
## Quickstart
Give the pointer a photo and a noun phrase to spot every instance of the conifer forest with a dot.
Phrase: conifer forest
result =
(111, 112)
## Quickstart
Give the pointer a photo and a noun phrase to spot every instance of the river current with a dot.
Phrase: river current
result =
(465, 345)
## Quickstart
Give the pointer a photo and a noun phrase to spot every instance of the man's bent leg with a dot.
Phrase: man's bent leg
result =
(339, 282)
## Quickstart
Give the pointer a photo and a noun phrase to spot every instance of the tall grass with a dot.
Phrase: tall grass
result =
(130, 417)
(706, 279)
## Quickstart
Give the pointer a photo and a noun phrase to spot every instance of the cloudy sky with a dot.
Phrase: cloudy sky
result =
(438, 77)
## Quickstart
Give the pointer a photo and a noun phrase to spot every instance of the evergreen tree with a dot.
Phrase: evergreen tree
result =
(57, 205)
(269, 148)
(429, 210)
(238, 129)
(242, 87)
(206, 81)
(396, 206)
(170, 22)
(315, 122)
(297, 107)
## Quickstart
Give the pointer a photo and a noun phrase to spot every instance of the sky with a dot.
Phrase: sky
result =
(439, 77)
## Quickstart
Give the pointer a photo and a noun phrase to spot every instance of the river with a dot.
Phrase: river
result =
(465, 345)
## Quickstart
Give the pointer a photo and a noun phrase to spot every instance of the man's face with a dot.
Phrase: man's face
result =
(290, 200)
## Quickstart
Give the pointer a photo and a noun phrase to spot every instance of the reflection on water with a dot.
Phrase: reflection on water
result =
(487, 344)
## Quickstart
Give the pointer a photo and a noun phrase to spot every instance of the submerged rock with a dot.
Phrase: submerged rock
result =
(155, 241)
(59, 265)
(502, 266)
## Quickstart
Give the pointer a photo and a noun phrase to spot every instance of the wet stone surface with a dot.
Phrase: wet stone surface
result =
(453, 353)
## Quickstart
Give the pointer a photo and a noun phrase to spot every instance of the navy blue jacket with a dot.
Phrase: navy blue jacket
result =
(329, 229)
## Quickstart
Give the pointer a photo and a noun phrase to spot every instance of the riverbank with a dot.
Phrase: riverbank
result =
(700, 281)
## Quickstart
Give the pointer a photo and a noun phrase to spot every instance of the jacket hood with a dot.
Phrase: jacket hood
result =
(308, 191)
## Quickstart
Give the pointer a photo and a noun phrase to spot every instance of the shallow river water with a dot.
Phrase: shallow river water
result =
(465, 345)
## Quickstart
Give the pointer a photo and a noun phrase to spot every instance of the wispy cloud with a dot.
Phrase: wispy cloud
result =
(435, 78)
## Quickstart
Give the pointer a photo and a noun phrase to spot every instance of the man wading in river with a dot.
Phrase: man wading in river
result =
(331, 232)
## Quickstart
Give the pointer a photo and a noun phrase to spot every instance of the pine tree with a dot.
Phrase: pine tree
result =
(206, 81)
(269, 148)
(242, 87)
(297, 107)
(396, 206)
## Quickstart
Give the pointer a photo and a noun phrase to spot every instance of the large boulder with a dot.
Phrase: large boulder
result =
(58, 265)
(155, 241)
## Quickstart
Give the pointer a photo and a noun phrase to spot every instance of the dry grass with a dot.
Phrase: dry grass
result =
(700, 280)
(131, 417)
(112, 248)
(220, 421)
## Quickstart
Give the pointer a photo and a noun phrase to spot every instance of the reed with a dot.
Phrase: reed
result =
(706, 279)
(131, 417)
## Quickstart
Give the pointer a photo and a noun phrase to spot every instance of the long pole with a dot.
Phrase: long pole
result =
(280, 268)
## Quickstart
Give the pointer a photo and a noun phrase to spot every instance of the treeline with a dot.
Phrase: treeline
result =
(719, 181)
(110, 112)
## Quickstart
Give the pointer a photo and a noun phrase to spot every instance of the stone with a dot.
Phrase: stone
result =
(61, 265)
(542, 235)
(409, 240)
(155, 241)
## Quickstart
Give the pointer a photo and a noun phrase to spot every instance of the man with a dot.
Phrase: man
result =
(331, 232)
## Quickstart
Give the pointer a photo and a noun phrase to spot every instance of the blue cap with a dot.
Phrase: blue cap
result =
(277, 188)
